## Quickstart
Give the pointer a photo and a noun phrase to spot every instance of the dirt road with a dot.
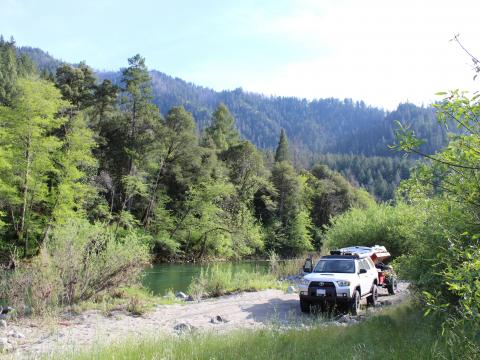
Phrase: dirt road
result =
(245, 310)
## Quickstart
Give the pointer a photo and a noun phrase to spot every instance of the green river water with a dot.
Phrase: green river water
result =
(162, 277)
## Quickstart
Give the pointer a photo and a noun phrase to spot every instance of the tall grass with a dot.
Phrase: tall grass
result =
(282, 268)
(400, 333)
(216, 281)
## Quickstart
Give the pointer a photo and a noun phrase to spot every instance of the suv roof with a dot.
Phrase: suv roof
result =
(345, 257)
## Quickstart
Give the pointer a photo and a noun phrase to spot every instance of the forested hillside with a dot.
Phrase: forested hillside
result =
(379, 175)
(317, 126)
(322, 126)
(86, 155)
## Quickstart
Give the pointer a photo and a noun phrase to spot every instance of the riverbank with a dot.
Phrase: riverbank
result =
(71, 334)
(396, 333)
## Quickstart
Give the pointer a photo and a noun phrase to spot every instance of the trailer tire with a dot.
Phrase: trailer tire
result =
(392, 285)
(372, 299)
(305, 306)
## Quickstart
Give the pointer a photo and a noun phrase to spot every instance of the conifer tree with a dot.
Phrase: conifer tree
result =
(8, 71)
(282, 149)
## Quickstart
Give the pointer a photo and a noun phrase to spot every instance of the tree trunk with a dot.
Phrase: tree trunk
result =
(21, 229)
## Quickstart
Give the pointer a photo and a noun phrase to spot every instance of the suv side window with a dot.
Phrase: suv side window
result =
(370, 263)
(363, 265)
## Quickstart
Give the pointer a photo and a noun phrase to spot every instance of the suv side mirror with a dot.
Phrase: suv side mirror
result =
(307, 267)
(362, 271)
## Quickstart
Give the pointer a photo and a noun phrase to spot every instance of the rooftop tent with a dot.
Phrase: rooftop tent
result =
(377, 253)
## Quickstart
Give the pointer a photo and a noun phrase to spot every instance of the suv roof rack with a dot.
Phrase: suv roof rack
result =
(346, 253)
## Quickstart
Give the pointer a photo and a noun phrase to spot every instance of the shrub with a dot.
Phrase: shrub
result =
(382, 224)
(79, 261)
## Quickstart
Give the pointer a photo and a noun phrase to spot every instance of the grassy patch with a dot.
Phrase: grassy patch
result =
(134, 299)
(283, 268)
(399, 333)
(215, 281)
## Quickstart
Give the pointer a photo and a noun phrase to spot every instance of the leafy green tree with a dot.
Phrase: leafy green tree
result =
(201, 226)
(330, 194)
(25, 66)
(30, 146)
(105, 98)
(175, 162)
(77, 85)
(73, 193)
(246, 170)
(222, 129)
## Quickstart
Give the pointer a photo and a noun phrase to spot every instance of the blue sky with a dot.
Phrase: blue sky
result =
(383, 52)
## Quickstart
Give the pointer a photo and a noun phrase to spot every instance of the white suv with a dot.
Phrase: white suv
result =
(339, 280)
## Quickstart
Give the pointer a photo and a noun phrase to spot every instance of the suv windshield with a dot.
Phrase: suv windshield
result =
(335, 266)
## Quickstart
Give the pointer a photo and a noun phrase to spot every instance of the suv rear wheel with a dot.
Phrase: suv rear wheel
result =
(372, 299)
(355, 303)
(392, 285)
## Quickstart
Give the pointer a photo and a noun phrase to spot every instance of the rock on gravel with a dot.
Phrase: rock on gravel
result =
(5, 345)
(347, 319)
(181, 295)
(291, 290)
(15, 334)
(183, 327)
(218, 320)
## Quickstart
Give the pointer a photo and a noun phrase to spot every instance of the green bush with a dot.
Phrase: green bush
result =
(78, 261)
(436, 246)
(381, 224)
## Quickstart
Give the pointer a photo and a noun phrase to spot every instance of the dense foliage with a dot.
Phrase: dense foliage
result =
(324, 126)
(75, 148)
(434, 228)
(379, 175)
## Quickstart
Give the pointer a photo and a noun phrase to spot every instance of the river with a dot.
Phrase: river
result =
(162, 277)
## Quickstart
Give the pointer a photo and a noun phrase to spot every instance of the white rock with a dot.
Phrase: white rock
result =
(3, 324)
(181, 295)
(5, 345)
(183, 327)
(291, 290)
(218, 320)
(343, 319)
(16, 334)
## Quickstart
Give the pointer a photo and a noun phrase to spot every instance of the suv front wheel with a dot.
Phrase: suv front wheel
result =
(372, 299)
(304, 306)
(355, 303)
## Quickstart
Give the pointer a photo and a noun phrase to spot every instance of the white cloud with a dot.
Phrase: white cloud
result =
(380, 51)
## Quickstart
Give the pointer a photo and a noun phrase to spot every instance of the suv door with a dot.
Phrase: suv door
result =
(372, 269)
(365, 278)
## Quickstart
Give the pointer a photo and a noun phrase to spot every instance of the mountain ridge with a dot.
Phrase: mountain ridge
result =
(327, 125)
(317, 129)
